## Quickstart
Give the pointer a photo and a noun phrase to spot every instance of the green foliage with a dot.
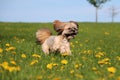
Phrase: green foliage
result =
(95, 53)
(97, 3)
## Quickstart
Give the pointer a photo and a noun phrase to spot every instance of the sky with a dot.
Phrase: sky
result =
(50, 10)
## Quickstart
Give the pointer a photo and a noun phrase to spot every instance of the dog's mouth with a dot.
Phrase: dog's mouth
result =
(72, 34)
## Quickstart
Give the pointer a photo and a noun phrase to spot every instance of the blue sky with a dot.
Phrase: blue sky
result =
(50, 10)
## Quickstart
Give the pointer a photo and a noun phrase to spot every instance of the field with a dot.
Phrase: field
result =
(95, 53)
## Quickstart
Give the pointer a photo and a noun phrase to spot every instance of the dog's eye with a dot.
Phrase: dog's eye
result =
(69, 28)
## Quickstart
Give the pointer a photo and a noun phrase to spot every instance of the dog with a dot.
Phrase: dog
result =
(69, 29)
(52, 43)
(60, 42)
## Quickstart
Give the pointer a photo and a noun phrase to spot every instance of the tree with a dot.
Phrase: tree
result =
(97, 4)
(113, 12)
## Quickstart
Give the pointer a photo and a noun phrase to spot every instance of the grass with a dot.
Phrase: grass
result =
(95, 53)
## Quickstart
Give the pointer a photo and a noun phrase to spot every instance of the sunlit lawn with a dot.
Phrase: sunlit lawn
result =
(95, 53)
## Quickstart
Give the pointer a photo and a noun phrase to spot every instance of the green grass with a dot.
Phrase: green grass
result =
(94, 50)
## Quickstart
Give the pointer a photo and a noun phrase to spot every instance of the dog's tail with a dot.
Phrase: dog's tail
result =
(42, 35)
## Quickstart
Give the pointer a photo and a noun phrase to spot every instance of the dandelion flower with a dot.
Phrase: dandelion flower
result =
(23, 56)
(65, 54)
(106, 33)
(50, 66)
(64, 61)
(99, 54)
(56, 79)
(7, 44)
(76, 66)
(11, 69)
(13, 62)
(4, 65)
(79, 76)
(34, 62)
(39, 77)
(10, 48)
(55, 64)
(1, 50)
(104, 61)
(111, 69)
(36, 55)
(118, 58)
(94, 69)
(71, 71)
(14, 52)
(118, 78)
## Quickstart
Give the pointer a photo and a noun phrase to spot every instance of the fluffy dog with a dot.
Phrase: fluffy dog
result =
(52, 43)
(60, 42)
(69, 29)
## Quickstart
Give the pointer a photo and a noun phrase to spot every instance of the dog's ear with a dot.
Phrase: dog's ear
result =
(58, 26)
(74, 23)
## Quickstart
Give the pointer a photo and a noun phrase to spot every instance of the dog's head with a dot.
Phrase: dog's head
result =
(68, 29)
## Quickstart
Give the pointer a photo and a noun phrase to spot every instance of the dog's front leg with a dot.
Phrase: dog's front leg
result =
(68, 50)
(65, 50)
(45, 49)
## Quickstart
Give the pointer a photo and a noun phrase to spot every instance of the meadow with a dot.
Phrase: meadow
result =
(95, 53)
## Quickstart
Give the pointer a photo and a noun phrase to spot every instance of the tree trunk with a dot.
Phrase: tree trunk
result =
(112, 18)
(96, 14)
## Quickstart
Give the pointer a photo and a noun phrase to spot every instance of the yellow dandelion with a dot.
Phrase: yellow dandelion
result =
(13, 52)
(118, 58)
(111, 69)
(10, 48)
(55, 64)
(104, 61)
(56, 79)
(18, 68)
(87, 40)
(80, 64)
(76, 42)
(36, 56)
(76, 66)
(23, 56)
(106, 33)
(62, 67)
(65, 54)
(50, 76)
(89, 51)
(111, 75)
(72, 71)
(1, 50)
(11, 69)
(71, 43)
(81, 45)
(99, 54)
(94, 69)
(7, 44)
(79, 76)
(49, 66)
(13, 62)
(34, 62)
(39, 77)
(99, 48)
(4, 65)
(64, 62)
(118, 78)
